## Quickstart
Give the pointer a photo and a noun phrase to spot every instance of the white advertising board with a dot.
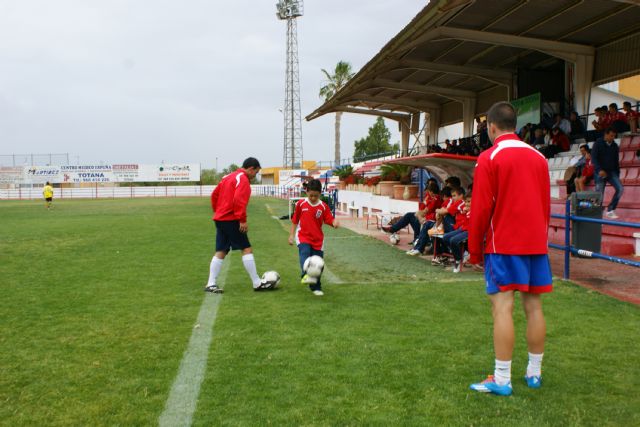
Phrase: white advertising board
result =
(291, 177)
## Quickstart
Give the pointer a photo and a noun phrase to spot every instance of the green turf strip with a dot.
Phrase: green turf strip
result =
(99, 300)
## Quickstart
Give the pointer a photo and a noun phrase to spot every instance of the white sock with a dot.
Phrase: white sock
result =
(250, 266)
(502, 373)
(534, 368)
(214, 270)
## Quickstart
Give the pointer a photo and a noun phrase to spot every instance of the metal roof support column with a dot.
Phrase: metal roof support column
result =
(434, 126)
(406, 130)
(468, 116)
(583, 82)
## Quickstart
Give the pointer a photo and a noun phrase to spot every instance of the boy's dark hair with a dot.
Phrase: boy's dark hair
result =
(458, 190)
(314, 185)
(610, 129)
(433, 187)
(627, 103)
(453, 181)
(446, 192)
(586, 147)
(503, 115)
(251, 162)
(48, 183)
(467, 197)
(614, 105)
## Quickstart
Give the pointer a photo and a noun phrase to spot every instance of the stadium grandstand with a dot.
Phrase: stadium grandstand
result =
(458, 57)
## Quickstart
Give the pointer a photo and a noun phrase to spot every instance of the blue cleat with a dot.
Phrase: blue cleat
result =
(490, 386)
(534, 381)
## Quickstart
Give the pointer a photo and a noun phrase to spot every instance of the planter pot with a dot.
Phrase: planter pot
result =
(386, 187)
(376, 189)
(405, 192)
(342, 185)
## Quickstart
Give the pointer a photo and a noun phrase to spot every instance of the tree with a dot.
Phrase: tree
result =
(376, 142)
(334, 83)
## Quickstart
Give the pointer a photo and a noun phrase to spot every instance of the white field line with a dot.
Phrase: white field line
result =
(183, 398)
(328, 274)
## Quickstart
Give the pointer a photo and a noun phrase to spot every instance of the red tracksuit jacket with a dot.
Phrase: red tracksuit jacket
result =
(230, 198)
(511, 201)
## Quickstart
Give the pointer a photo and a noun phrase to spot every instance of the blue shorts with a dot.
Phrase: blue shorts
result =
(229, 236)
(524, 273)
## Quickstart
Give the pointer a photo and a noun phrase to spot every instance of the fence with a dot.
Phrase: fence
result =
(98, 192)
(569, 249)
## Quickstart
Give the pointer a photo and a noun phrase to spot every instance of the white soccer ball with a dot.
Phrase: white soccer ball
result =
(271, 279)
(313, 266)
(394, 239)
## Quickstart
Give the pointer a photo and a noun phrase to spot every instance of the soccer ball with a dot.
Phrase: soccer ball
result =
(313, 266)
(394, 239)
(270, 279)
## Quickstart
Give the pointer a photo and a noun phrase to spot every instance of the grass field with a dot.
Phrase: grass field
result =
(100, 299)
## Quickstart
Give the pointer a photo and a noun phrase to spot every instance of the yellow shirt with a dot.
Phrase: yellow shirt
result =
(47, 191)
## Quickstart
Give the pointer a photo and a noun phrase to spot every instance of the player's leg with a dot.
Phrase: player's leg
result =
(223, 244)
(316, 287)
(536, 333)
(249, 263)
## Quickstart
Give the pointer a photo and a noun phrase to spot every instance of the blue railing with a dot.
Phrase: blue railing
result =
(568, 249)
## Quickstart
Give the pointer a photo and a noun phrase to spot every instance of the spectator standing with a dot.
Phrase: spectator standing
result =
(604, 157)
(509, 227)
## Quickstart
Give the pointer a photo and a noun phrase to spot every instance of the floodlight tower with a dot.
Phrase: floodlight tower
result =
(289, 10)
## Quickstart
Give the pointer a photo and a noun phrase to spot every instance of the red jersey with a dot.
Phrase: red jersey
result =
(632, 114)
(460, 215)
(462, 223)
(511, 200)
(309, 219)
(432, 202)
(587, 169)
(230, 198)
(618, 116)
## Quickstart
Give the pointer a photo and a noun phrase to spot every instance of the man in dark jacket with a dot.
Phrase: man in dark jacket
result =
(604, 157)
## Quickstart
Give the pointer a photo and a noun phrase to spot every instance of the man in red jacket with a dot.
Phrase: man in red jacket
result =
(229, 202)
(509, 224)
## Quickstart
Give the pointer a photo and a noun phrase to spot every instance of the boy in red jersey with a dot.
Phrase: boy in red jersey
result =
(509, 226)
(454, 239)
(306, 229)
(229, 202)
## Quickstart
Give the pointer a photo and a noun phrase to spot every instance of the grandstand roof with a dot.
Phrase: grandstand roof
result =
(455, 50)
(442, 165)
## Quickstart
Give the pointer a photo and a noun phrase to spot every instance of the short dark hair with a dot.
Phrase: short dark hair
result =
(314, 185)
(48, 183)
(433, 187)
(446, 192)
(453, 181)
(614, 105)
(586, 147)
(627, 103)
(251, 162)
(458, 190)
(503, 115)
(610, 130)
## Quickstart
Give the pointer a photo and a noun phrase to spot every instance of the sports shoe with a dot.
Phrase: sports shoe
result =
(214, 289)
(437, 261)
(386, 228)
(611, 215)
(490, 386)
(534, 381)
(318, 293)
(456, 266)
(413, 252)
(465, 257)
(308, 280)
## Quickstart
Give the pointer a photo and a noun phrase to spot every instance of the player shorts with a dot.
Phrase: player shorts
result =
(229, 236)
(524, 273)
(48, 199)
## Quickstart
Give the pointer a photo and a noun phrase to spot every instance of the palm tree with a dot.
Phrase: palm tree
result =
(335, 82)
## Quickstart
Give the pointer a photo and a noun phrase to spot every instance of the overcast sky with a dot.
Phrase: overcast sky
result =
(177, 81)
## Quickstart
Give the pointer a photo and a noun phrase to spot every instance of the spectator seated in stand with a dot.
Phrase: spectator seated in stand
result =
(632, 116)
(585, 171)
(559, 143)
(617, 119)
(448, 214)
(577, 127)
(455, 239)
(538, 138)
(432, 202)
(562, 123)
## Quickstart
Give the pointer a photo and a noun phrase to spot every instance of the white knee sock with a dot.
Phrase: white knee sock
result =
(250, 266)
(502, 373)
(534, 368)
(214, 270)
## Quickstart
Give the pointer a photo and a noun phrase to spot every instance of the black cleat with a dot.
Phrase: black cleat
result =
(213, 289)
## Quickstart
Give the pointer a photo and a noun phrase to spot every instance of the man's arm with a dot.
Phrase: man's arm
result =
(214, 197)
(241, 200)
(483, 203)
(594, 156)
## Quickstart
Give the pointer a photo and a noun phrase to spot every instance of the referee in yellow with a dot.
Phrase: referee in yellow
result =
(47, 192)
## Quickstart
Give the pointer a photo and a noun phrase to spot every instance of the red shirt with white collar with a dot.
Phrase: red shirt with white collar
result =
(632, 114)
(432, 202)
(230, 198)
(462, 223)
(460, 216)
(511, 201)
(309, 219)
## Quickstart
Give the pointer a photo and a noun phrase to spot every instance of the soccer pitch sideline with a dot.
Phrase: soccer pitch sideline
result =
(100, 326)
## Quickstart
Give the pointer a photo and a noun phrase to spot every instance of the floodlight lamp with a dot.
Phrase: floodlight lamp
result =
(288, 9)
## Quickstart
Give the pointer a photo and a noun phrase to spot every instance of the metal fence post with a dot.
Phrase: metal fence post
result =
(567, 238)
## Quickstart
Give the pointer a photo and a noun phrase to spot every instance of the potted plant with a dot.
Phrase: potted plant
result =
(343, 172)
(388, 178)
